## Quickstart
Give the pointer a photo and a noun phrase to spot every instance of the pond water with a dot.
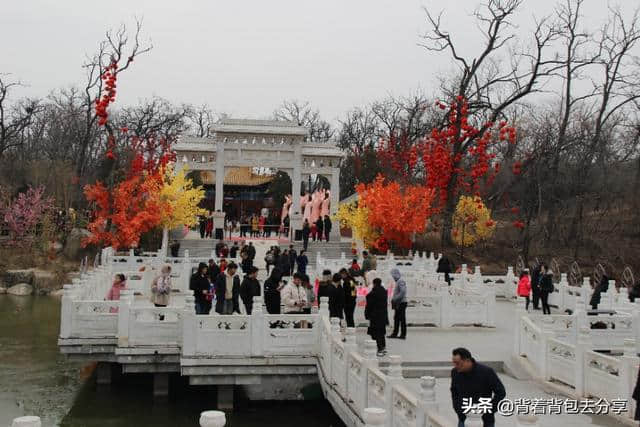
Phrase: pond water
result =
(35, 379)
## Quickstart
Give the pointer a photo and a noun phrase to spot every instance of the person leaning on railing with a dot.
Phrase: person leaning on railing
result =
(161, 288)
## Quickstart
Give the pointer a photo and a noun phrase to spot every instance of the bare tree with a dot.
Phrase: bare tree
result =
(490, 87)
(201, 119)
(15, 118)
(117, 47)
(303, 114)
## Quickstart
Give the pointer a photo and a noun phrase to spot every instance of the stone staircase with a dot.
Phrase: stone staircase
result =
(197, 248)
(332, 250)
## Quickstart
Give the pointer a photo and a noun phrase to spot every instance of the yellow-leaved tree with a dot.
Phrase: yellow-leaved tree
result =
(471, 222)
(180, 200)
(356, 217)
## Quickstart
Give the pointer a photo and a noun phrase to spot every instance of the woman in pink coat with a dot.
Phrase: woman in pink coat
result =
(524, 286)
(119, 284)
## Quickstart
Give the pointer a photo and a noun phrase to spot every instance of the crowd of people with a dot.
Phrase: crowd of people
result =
(219, 286)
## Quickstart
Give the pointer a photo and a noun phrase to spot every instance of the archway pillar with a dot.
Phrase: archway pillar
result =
(218, 214)
(335, 201)
(295, 220)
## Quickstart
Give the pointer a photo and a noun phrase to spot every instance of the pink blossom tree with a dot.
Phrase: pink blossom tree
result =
(24, 213)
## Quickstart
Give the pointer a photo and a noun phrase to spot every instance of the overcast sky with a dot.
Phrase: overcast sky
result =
(244, 57)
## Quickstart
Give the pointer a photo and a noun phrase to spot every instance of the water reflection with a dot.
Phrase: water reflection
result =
(36, 379)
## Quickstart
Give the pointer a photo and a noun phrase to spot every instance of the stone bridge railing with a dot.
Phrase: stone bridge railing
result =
(562, 349)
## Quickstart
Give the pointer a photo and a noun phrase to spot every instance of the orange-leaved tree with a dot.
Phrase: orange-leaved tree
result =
(122, 214)
(396, 212)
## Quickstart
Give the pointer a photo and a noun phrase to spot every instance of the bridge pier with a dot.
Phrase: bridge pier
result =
(225, 397)
(160, 384)
(103, 373)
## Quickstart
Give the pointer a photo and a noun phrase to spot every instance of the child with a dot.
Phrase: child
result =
(524, 286)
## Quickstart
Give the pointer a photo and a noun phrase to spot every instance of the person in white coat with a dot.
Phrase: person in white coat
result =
(294, 296)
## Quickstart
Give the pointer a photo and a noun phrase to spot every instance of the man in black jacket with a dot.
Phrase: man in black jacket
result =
(350, 288)
(249, 288)
(336, 298)
(327, 227)
(200, 284)
(471, 382)
(535, 286)
(228, 291)
(306, 230)
(376, 312)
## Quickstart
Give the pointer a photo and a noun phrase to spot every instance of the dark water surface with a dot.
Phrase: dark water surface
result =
(35, 379)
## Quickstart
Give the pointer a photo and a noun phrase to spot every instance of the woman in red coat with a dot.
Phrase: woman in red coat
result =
(524, 286)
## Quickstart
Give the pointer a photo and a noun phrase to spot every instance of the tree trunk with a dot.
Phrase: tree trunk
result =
(165, 241)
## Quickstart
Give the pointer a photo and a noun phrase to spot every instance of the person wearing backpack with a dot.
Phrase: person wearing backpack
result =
(546, 288)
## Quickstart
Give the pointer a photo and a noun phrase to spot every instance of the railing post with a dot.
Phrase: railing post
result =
(124, 307)
(586, 290)
(186, 255)
(628, 374)
(189, 326)
(185, 276)
(563, 291)
(509, 290)
(324, 307)
(547, 334)
(28, 421)
(257, 327)
(477, 276)
(212, 419)
(370, 361)
(527, 420)
(445, 308)
(350, 341)
(491, 307)
(394, 377)
(426, 401)
(66, 314)
(463, 276)
(374, 417)
(581, 347)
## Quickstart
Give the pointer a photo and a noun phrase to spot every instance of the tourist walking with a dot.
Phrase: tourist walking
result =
(269, 259)
(336, 297)
(233, 252)
(227, 287)
(301, 262)
(399, 306)
(445, 266)
(203, 226)
(209, 227)
(200, 285)
(536, 275)
(350, 288)
(369, 262)
(634, 292)
(524, 286)
(119, 284)
(272, 287)
(546, 288)
(254, 226)
(320, 228)
(327, 227)
(472, 381)
(249, 288)
(284, 263)
(377, 314)
(294, 296)
(293, 255)
(261, 222)
(161, 288)
(306, 230)
(251, 251)
(325, 285)
(175, 248)
(355, 270)
(603, 286)
(311, 296)
(213, 270)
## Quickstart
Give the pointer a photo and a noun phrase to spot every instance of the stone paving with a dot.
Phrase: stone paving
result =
(486, 344)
